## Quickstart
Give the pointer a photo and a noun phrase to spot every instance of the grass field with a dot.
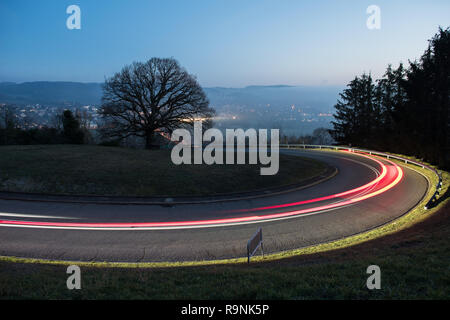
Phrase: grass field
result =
(97, 170)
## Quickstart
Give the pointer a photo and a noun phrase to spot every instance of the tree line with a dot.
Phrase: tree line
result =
(406, 111)
(66, 127)
(320, 136)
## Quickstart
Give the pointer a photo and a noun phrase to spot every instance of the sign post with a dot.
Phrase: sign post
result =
(254, 243)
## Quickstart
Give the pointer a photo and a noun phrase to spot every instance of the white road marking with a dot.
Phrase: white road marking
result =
(262, 220)
(20, 215)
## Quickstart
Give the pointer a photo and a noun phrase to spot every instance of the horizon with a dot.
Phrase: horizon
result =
(232, 45)
(218, 87)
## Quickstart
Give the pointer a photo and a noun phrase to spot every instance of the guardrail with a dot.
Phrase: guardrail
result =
(438, 186)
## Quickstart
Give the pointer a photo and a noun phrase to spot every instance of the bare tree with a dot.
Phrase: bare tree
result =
(322, 136)
(156, 95)
(84, 117)
(8, 122)
(56, 121)
(8, 116)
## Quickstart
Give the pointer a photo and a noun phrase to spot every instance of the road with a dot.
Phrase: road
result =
(366, 192)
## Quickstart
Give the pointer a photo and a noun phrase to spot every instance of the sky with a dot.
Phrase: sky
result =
(227, 43)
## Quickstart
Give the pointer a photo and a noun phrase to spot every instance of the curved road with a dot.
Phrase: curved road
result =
(367, 192)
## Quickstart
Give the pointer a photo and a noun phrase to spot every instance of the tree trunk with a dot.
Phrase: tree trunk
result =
(149, 140)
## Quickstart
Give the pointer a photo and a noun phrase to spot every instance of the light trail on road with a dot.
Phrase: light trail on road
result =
(390, 176)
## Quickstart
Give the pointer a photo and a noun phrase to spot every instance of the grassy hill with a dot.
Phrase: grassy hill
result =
(97, 170)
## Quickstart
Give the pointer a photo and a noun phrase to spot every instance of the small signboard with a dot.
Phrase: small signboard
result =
(254, 243)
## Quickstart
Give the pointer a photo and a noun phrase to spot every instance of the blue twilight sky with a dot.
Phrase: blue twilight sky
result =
(231, 43)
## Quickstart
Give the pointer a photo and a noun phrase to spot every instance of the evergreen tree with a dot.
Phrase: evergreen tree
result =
(391, 98)
(407, 111)
(428, 92)
(71, 129)
(355, 122)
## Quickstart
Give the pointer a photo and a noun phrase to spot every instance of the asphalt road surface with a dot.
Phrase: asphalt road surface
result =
(365, 193)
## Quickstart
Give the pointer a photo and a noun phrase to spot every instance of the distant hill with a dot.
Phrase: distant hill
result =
(319, 98)
(50, 93)
(59, 93)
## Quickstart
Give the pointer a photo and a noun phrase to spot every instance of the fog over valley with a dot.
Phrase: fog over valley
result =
(295, 110)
